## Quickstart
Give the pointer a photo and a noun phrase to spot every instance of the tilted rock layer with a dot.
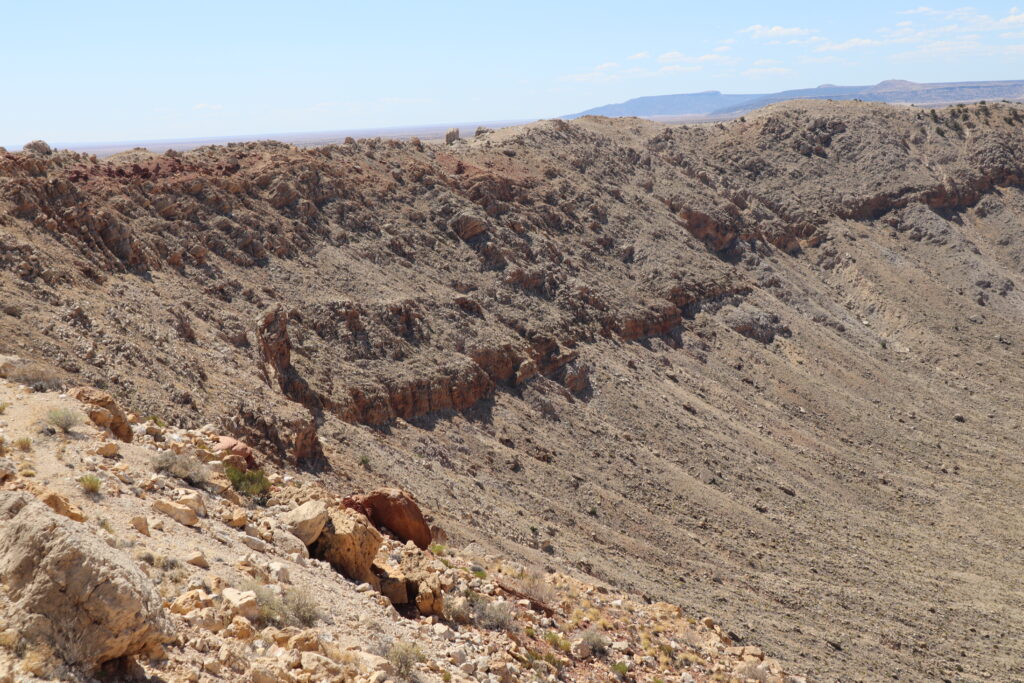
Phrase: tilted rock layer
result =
(718, 364)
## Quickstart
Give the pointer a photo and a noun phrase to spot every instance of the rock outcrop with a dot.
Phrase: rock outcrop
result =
(307, 520)
(396, 510)
(69, 589)
(104, 411)
(349, 543)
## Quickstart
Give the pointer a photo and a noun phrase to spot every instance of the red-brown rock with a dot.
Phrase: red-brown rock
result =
(105, 411)
(396, 510)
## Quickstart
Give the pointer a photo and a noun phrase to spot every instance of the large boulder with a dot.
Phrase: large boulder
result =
(104, 411)
(395, 510)
(306, 521)
(349, 543)
(67, 588)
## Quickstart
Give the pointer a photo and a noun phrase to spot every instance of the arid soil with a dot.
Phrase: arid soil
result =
(769, 370)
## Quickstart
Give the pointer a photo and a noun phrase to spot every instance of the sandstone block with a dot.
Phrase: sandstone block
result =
(307, 520)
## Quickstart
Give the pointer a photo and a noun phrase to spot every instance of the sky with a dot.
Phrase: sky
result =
(103, 71)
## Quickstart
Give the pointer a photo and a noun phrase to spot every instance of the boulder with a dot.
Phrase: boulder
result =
(190, 601)
(468, 225)
(349, 543)
(104, 412)
(234, 452)
(67, 588)
(242, 603)
(420, 576)
(192, 500)
(182, 514)
(289, 543)
(395, 510)
(198, 559)
(60, 505)
(7, 470)
(306, 521)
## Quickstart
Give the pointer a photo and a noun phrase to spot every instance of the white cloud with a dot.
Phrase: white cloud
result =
(759, 31)
(606, 66)
(679, 68)
(722, 48)
(767, 62)
(679, 57)
(639, 55)
(848, 44)
(767, 71)
(209, 107)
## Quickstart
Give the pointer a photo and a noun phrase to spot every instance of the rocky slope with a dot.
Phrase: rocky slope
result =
(133, 557)
(767, 369)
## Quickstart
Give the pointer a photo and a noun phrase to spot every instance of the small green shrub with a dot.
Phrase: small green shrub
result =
(90, 483)
(438, 549)
(620, 669)
(251, 483)
(479, 573)
(557, 642)
(364, 462)
(23, 444)
(64, 419)
(404, 657)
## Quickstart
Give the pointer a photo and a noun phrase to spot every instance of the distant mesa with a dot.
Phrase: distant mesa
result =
(715, 104)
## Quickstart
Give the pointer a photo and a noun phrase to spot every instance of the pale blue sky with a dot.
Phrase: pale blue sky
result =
(95, 71)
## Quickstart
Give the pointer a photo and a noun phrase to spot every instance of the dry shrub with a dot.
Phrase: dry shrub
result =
(64, 419)
(404, 657)
(36, 375)
(537, 589)
(185, 467)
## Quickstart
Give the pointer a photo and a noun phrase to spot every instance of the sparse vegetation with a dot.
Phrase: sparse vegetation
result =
(185, 467)
(4, 406)
(457, 612)
(251, 483)
(534, 587)
(64, 419)
(495, 616)
(143, 555)
(364, 462)
(293, 607)
(301, 607)
(37, 376)
(404, 657)
(595, 640)
(91, 484)
(557, 641)
(23, 444)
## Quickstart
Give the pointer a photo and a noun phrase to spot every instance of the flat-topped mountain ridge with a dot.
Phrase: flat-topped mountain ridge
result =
(715, 104)
(766, 369)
